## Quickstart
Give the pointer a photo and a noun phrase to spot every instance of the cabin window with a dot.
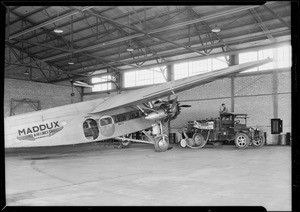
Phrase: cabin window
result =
(120, 118)
(90, 129)
(106, 121)
(134, 115)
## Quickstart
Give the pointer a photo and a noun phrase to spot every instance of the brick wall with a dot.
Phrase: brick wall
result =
(49, 95)
(253, 95)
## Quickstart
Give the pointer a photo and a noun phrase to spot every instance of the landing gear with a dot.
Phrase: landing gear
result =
(125, 143)
(161, 143)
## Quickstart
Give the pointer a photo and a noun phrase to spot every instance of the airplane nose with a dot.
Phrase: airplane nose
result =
(156, 115)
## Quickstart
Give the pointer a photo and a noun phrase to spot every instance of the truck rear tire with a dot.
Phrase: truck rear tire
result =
(199, 140)
(241, 140)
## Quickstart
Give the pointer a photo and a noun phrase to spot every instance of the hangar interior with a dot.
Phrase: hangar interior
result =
(117, 49)
(123, 48)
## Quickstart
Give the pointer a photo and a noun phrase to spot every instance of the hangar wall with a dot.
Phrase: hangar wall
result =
(253, 95)
(50, 95)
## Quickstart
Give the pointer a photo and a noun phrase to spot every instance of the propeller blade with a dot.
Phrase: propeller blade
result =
(174, 103)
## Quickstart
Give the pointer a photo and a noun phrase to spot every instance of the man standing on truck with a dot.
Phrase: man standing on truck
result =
(223, 109)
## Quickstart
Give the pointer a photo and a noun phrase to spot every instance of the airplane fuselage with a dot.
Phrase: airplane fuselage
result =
(71, 124)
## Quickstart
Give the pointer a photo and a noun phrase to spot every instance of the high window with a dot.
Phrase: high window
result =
(281, 58)
(102, 86)
(187, 69)
(145, 77)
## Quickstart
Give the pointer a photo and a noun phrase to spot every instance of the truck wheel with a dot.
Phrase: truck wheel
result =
(190, 142)
(258, 141)
(161, 144)
(241, 140)
(199, 140)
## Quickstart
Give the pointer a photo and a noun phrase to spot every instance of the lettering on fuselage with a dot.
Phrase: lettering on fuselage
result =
(39, 131)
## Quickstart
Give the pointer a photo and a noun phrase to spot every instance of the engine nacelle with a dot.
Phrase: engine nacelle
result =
(156, 115)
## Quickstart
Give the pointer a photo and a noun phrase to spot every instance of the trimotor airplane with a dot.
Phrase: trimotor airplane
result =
(112, 117)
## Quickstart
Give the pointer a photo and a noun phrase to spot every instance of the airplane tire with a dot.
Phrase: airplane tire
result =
(125, 143)
(199, 140)
(161, 144)
(241, 140)
(259, 141)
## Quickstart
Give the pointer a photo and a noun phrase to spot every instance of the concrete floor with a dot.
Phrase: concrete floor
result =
(94, 175)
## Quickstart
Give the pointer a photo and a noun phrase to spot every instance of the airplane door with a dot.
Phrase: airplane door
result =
(107, 126)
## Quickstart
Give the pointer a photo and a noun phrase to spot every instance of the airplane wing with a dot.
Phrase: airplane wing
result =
(158, 91)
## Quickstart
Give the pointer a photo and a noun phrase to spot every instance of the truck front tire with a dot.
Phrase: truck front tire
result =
(241, 140)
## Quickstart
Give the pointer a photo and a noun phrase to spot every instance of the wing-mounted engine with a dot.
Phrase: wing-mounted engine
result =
(165, 110)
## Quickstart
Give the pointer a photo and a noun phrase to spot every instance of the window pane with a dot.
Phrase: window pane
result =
(248, 57)
(264, 54)
(181, 70)
(144, 77)
(284, 57)
(218, 64)
(129, 79)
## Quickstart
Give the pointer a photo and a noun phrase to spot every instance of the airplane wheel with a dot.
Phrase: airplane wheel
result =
(161, 144)
(182, 143)
(241, 140)
(199, 140)
(258, 141)
(125, 143)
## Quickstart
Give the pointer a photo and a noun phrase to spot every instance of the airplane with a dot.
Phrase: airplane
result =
(114, 117)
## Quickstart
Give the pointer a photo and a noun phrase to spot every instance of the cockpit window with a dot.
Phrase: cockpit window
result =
(105, 121)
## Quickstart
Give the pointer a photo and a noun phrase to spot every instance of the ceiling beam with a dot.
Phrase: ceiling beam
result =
(261, 24)
(226, 53)
(143, 32)
(216, 45)
(75, 31)
(49, 22)
(277, 16)
(36, 60)
(228, 12)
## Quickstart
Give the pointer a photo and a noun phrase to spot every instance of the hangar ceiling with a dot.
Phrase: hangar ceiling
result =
(100, 37)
